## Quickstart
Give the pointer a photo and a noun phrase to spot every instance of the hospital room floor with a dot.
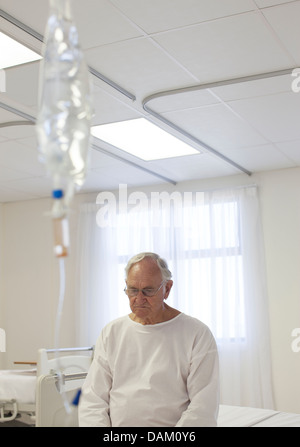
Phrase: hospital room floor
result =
(20, 421)
(15, 423)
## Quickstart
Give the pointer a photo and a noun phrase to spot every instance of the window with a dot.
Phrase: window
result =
(213, 262)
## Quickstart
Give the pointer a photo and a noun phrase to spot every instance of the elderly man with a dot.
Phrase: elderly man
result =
(155, 367)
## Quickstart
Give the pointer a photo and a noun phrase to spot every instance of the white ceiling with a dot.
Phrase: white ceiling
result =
(153, 47)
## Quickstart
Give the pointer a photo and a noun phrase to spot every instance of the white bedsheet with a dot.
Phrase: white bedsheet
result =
(281, 420)
(19, 385)
(234, 416)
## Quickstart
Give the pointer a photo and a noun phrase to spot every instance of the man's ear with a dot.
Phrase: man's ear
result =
(168, 287)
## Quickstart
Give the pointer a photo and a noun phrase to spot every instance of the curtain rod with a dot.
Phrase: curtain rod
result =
(206, 86)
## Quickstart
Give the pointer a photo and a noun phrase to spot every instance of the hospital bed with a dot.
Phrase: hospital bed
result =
(45, 392)
(235, 416)
(41, 392)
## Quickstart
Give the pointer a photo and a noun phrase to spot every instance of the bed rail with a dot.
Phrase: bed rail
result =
(12, 414)
(46, 363)
(74, 376)
(88, 348)
(69, 376)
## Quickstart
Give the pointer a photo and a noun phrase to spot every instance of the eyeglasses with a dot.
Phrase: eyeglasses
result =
(131, 292)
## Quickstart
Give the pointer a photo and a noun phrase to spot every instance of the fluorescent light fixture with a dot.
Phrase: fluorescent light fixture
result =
(141, 138)
(14, 53)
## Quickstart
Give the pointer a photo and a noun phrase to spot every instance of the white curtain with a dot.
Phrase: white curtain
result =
(213, 244)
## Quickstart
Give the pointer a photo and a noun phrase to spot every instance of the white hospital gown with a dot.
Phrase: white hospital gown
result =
(160, 375)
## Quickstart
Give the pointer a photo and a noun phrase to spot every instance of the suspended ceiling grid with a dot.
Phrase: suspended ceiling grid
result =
(150, 49)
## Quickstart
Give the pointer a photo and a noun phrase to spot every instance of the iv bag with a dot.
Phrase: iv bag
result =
(65, 111)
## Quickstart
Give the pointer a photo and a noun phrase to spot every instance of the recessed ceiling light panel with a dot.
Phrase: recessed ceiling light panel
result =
(144, 140)
(14, 53)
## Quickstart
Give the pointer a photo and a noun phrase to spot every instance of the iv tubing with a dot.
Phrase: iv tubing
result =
(57, 331)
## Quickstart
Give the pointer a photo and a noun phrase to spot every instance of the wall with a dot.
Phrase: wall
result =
(31, 286)
(281, 221)
(31, 274)
(2, 317)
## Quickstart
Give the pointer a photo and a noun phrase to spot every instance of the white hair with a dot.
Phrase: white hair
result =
(161, 263)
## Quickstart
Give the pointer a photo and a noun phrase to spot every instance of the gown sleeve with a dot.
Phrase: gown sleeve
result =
(93, 408)
(202, 385)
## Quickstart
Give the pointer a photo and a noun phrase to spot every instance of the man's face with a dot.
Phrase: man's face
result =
(145, 275)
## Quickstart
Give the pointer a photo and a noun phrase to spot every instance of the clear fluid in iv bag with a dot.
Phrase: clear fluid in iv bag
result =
(65, 112)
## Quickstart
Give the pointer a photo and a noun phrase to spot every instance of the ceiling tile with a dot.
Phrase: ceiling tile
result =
(108, 109)
(138, 66)
(285, 22)
(24, 159)
(267, 3)
(33, 13)
(7, 174)
(276, 117)
(260, 158)
(291, 149)
(182, 100)
(98, 159)
(164, 15)
(216, 126)
(14, 132)
(255, 88)
(100, 23)
(221, 54)
(33, 187)
(5, 116)
(11, 195)
(20, 76)
(195, 167)
(111, 177)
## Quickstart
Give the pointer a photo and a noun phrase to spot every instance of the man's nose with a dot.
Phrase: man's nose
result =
(140, 296)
